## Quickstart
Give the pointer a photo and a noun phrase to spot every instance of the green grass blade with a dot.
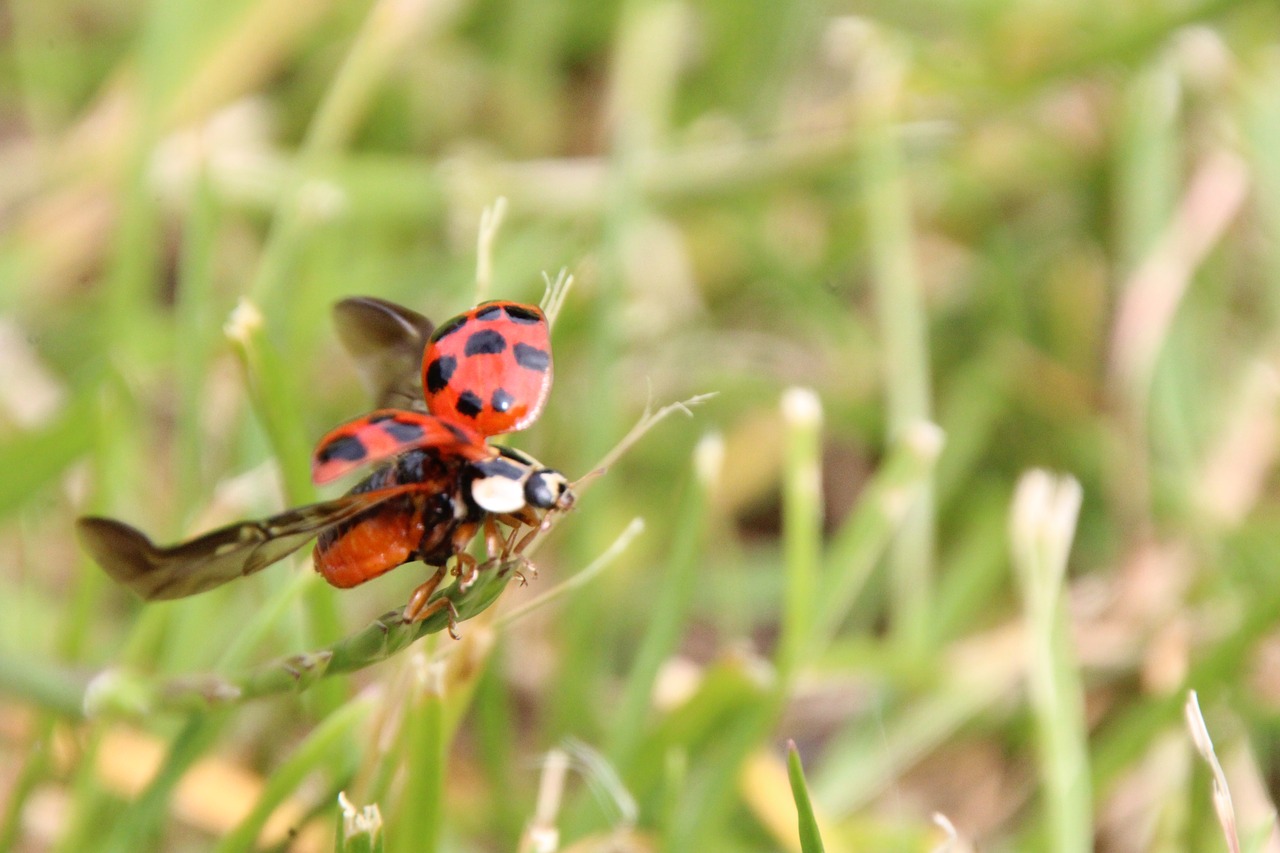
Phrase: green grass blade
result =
(422, 753)
(903, 323)
(802, 512)
(34, 459)
(807, 822)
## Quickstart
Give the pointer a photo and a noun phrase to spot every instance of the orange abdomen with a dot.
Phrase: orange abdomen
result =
(370, 547)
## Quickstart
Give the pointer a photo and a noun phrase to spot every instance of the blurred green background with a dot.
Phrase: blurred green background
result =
(1050, 229)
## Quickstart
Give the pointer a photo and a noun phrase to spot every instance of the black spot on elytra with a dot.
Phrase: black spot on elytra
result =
(401, 431)
(488, 311)
(501, 400)
(449, 328)
(469, 404)
(439, 373)
(485, 342)
(347, 448)
(532, 358)
(521, 314)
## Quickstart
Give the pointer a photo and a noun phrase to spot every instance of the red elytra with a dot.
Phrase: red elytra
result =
(385, 433)
(489, 369)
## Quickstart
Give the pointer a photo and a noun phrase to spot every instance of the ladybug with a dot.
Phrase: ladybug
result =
(483, 373)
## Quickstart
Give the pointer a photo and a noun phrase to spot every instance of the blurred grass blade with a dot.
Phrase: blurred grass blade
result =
(33, 459)
(1042, 526)
(724, 689)
(140, 823)
(541, 834)
(879, 70)
(490, 221)
(865, 535)
(802, 515)
(196, 330)
(388, 30)
(1262, 125)
(1151, 297)
(272, 615)
(670, 611)
(1148, 160)
(272, 393)
(633, 529)
(36, 768)
(1222, 805)
(42, 684)
(867, 759)
(421, 756)
(709, 794)
(807, 822)
(326, 749)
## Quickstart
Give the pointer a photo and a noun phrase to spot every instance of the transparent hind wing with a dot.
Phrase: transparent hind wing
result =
(386, 341)
(222, 555)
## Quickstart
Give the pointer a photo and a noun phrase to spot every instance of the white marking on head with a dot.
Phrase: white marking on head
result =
(498, 494)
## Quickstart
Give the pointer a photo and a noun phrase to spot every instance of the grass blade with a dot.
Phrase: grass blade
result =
(807, 822)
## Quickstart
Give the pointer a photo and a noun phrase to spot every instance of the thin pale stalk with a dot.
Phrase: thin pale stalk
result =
(1041, 528)
(386, 191)
(801, 524)
(648, 420)
(272, 394)
(541, 835)
(273, 399)
(577, 581)
(904, 327)
(194, 317)
(1222, 804)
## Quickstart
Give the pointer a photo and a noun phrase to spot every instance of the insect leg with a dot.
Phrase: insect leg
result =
(420, 605)
(494, 543)
(466, 570)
